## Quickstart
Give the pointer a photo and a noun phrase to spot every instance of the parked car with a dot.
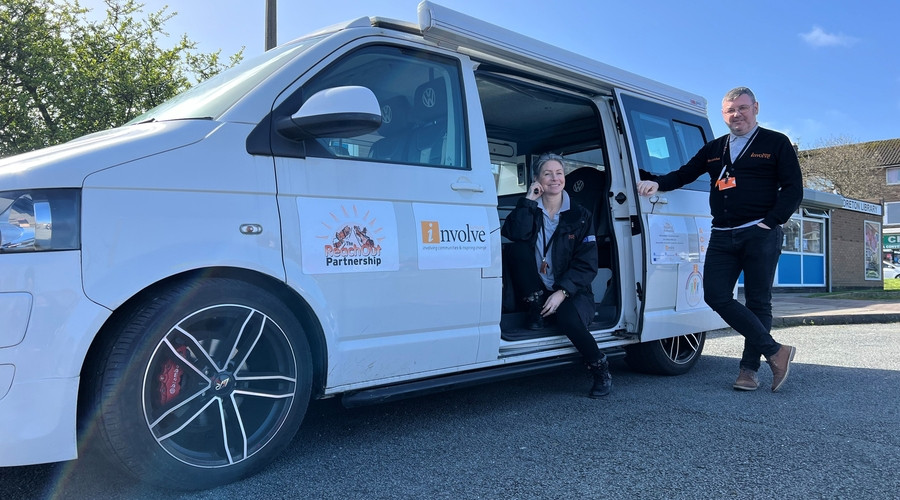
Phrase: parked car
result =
(890, 271)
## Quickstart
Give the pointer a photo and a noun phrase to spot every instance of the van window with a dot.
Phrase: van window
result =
(690, 138)
(421, 106)
(664, 139)
(509, 177)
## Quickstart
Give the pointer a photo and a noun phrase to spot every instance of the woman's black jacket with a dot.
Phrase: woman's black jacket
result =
(573, 255)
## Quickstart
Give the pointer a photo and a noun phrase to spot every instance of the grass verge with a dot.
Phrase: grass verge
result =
(891, 292)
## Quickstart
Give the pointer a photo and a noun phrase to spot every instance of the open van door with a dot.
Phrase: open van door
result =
(674, 226)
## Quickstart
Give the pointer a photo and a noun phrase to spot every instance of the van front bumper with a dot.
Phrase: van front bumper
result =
(46, 327)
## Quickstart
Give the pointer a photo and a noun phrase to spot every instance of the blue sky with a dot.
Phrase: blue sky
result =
(820, 70)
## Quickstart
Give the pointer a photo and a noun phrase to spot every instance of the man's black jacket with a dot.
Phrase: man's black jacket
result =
(769, 185)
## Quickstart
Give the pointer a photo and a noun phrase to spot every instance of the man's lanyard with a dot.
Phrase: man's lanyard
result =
(726, 153)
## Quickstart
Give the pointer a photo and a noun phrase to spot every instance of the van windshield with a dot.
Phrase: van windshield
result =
(211, 98)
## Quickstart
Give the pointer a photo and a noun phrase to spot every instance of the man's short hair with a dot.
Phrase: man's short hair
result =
(737, 92)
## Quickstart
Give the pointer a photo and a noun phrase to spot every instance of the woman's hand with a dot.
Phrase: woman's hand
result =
(552, 303)
(534, 191)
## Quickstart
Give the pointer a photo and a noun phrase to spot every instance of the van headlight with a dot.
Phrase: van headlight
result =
(40, 220)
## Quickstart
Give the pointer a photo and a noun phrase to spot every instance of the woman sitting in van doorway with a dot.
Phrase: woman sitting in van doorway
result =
(553, 259)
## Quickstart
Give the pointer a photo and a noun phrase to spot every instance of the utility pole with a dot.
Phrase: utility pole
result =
(271, 25)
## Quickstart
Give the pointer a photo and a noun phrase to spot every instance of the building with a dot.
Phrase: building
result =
(835, 243)
(889, 156)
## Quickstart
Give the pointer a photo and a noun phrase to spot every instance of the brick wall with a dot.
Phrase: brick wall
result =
(848, 250)
(892, 192)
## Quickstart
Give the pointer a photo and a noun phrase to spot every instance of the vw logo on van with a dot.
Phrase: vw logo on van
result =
(428, 97)
(578, 186)
(387, 114)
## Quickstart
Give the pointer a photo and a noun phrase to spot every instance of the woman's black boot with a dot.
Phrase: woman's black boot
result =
(534, 320)
(602, 379)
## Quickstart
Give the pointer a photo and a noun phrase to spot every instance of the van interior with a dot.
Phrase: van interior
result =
(525, 119)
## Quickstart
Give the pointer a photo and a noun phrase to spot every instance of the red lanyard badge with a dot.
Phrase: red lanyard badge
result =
(726, 182)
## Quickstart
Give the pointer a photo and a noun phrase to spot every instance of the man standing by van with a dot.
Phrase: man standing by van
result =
(756, 186)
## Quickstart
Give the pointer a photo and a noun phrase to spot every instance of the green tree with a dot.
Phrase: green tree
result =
(63, 75)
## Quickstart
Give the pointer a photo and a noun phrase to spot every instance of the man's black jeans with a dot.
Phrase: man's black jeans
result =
(755, 251)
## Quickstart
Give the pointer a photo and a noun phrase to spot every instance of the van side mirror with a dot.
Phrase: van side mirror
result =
(336, 112)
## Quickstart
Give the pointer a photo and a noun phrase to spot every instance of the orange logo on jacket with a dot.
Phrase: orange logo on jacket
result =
(761, 155)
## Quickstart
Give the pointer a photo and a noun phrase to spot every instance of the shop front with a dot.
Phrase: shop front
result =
(890, 244)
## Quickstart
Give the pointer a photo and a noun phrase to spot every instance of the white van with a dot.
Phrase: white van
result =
(323, 220)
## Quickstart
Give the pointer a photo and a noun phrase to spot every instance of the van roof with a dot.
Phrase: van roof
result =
(483, 40)
(486, 42)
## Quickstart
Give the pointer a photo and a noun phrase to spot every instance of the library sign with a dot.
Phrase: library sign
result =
(862, 206)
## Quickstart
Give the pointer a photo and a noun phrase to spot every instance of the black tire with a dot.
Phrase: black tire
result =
(672, 356)
(205, 383)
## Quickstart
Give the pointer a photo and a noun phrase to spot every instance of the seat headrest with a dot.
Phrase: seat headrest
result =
(584, 182)
(430, 101)
(394, 115)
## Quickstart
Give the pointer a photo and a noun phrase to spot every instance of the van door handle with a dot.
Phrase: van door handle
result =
(464, 184)
(657, 199)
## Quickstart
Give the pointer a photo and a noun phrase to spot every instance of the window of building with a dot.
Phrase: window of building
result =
(893, 175)
(892, 213)
(812, 237)
(802, 261)
(792, 234)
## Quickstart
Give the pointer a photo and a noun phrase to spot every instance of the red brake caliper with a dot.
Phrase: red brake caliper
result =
(170, 378)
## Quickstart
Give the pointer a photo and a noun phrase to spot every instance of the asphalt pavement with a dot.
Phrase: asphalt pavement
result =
(829, 433)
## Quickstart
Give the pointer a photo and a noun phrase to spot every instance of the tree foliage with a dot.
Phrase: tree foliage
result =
(63, 75)
(842, 166)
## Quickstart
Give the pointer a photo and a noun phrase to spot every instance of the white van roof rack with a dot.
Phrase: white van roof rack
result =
(487, 42)
(396, 25)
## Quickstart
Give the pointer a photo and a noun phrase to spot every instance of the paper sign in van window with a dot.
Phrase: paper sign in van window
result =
(669, 242)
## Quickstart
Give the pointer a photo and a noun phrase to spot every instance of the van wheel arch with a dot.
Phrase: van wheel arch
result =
(669, 356)
(287, 295)
(192, 353)
(107, 334)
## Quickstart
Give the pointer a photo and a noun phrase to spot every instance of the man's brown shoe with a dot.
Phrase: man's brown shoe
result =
(746, 381)
(780, 362)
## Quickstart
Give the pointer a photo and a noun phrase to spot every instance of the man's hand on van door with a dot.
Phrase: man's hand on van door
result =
(647, 188)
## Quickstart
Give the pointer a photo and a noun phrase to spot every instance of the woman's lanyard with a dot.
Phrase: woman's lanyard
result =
(545, 266)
